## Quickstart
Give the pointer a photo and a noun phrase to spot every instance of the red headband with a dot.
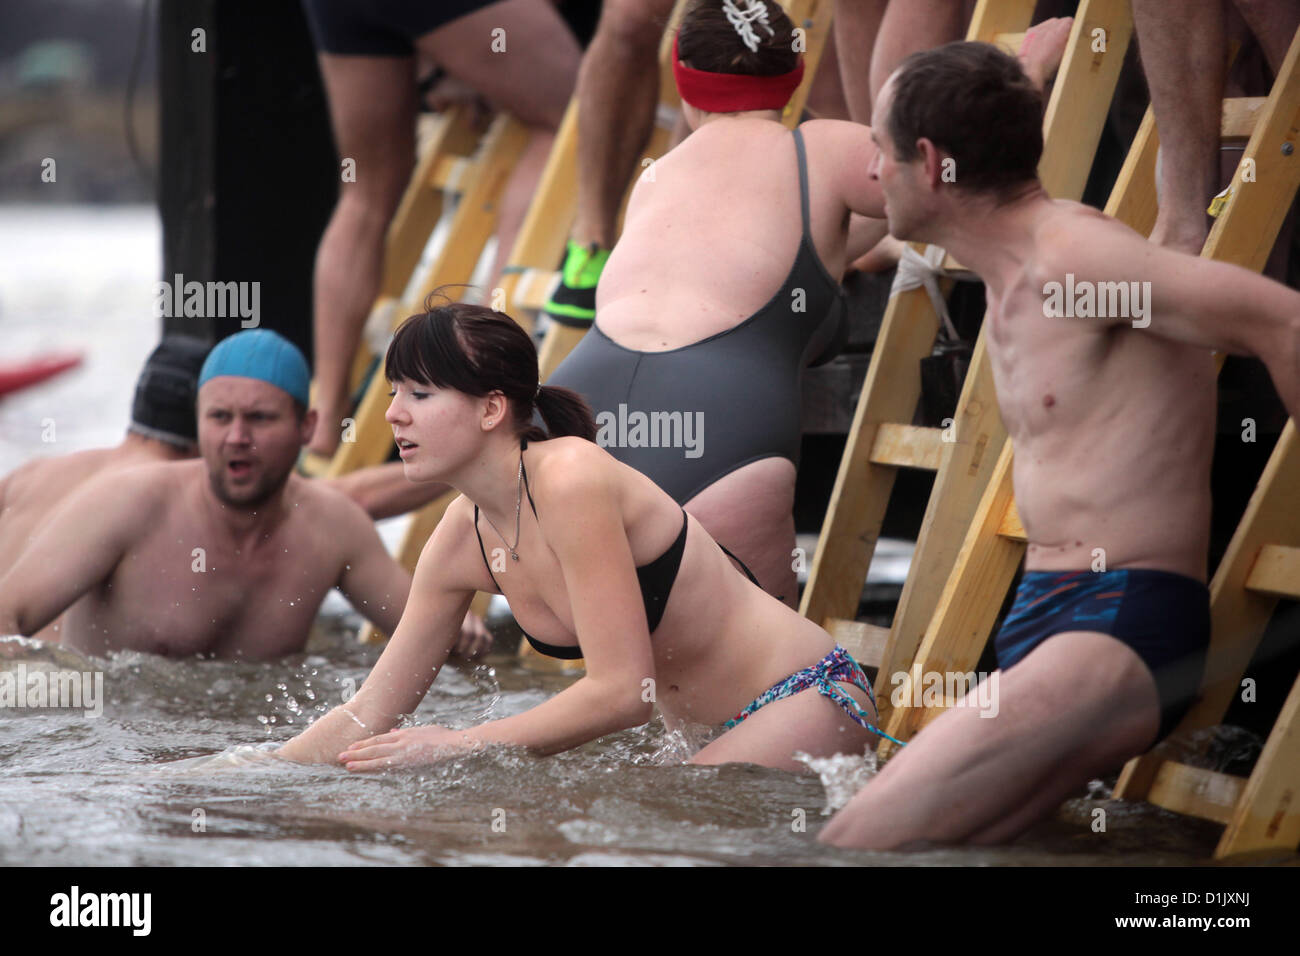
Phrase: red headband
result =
(734, 92)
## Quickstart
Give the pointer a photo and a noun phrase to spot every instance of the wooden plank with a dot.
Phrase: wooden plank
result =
(544, 232)
(421, 205)
(372, 435)
(1085, 85)
(1196, 792)
(967, 607)
(450, 173)
(1244, 233)
(814, 18)
(421, 527)
(907, 446)
(960, 483)
(866, 642)
(471, 226)
(1133, 198)
(532, 287)
(1268, 814)
(1276, 571)
(860, 496)
(1010, 526)
(1240, 115)
(994, 17)
(450, 133)
(1010, 42)
(387, 310)
(475, 218)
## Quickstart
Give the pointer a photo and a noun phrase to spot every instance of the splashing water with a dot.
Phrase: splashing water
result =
(842, 775)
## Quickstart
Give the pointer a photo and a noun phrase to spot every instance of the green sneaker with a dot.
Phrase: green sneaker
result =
(574, 299)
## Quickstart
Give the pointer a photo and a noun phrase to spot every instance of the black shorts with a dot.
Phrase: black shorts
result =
(1164, 617)
(380, 27)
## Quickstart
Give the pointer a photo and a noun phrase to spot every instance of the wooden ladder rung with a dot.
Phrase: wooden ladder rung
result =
(1010, 41)
(1276, 571)
(866, 642)
(533, 287)
(1240, 114)
(1196, 792)
(907, 446)
(1011, 526)
(450, 173)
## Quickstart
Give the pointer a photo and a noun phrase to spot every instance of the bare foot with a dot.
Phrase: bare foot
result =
(1043, 48)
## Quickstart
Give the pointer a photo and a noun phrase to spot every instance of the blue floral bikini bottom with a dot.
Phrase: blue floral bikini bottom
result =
(838, 665)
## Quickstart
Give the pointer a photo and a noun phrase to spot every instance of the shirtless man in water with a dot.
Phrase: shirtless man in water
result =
(1113, 423)
(229, 555)
(163, 429)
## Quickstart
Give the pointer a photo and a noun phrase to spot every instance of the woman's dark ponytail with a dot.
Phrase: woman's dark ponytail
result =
(476, 350)
(565, 413)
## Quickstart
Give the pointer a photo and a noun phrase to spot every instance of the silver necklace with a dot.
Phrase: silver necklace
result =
(519, 497)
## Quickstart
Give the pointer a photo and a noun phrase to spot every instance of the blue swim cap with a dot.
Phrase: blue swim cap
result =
(264, 355)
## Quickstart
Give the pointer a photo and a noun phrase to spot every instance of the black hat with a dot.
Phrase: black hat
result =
(166, 391)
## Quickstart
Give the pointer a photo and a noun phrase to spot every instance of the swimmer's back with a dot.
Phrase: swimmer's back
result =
(714, 234)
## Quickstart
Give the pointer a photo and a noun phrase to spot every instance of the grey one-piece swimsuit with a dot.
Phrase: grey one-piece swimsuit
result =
(745, 381)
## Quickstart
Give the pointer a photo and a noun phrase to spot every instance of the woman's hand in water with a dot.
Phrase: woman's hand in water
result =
(412, 747)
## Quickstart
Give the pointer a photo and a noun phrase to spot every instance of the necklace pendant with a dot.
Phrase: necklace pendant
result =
(514, 555)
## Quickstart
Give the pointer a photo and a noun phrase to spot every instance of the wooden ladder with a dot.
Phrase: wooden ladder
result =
(882, 439)
(457, 162)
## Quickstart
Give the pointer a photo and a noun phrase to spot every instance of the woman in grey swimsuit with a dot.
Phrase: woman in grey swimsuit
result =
(724, 287)
(595, 559)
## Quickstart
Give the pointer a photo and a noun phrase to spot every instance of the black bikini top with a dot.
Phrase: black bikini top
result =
(656, 579)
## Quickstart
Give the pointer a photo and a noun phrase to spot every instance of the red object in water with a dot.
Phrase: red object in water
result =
(23, 374)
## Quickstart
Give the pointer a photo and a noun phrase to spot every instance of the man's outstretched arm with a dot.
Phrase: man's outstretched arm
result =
(77, 548)
(1185, 298)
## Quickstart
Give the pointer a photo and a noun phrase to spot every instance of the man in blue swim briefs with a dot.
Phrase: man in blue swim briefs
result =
(1112, 418)
(228, 555)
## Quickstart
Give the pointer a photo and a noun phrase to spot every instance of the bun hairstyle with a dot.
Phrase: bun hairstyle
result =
(750, 37)
(477, 351)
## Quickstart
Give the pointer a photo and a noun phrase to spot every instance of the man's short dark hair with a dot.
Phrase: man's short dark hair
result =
(974, 102)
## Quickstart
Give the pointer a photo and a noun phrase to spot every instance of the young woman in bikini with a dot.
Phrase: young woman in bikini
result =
(616, 572)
